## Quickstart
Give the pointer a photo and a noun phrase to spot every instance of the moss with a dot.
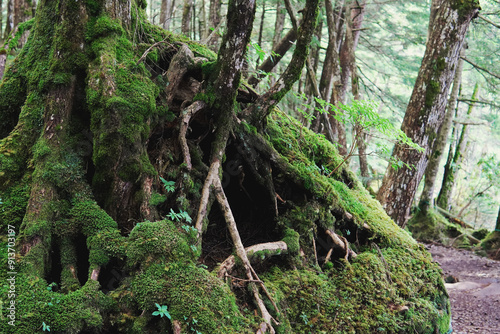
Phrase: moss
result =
(364, 297)
(305, 153)
(464, 7)
(13, 205)
(291, 239)
(492, 241)
(91, 218)
(193, 293)
(69, 313)
(158, 241)
(431, 226)
(157, 199)
(431, 93)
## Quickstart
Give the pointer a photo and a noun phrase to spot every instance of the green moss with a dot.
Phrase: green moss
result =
(157, 199)
(91, 218)
(492, 241)
(431, 93)
(13, 205)
(363, 298)
(464, 7)
(69, 313)
(291, 239)
(431, 226)
(305, 154)
(194, 293)
(158, 241)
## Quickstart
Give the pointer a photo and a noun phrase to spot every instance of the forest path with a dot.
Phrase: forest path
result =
(475, 298)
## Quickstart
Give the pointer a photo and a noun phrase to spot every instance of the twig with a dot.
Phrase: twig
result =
(481, 68)
(489, 21)
(149, 50)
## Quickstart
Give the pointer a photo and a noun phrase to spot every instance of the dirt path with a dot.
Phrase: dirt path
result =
(475, 298)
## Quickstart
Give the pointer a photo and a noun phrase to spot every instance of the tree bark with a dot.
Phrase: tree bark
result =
(453, 165)
(186, 17)
(279, 23)
(166, 13)
(427, 197)
(427, 105)
(214, 19)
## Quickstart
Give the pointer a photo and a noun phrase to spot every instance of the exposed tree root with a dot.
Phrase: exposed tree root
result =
(151, 48)
(271, 248)
(240, 251)
(205, 194)
(187, 114)
(341, 242)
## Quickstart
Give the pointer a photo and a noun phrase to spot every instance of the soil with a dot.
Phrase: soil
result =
(475, 291)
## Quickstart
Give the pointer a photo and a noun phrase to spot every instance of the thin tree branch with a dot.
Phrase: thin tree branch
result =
(476, 66)
(489, 21)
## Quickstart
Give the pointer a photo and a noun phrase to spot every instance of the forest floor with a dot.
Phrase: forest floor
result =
(475, 297)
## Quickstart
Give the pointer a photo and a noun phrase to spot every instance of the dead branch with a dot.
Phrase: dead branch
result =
(187, 114)
(476, 66)
(489, 21)
(271, 248)
(337, 240)
(240, 250)
(151, 48)
(469, 122)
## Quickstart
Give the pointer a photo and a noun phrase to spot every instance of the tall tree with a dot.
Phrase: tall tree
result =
(166, 9)
(455, 160)
(427, 197)
(187, 13)
(427, 105)
(214, 21)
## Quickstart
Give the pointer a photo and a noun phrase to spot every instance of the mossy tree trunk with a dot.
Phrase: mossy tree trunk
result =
(427, 105)
(114, 133)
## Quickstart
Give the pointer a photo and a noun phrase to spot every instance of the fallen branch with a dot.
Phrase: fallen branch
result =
(151, 48)
(272, 248)
(342, 242)
(187, 114)
(240, 250)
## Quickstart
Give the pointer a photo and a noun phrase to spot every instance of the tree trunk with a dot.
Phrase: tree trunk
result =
(427, 105)
(427, 198)
(279, 23)
(261, 29)
(453, 165)
(497, 226)
(214, 20)
(186, 17)
(166, 13)
(18, 11)
(202, 21)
